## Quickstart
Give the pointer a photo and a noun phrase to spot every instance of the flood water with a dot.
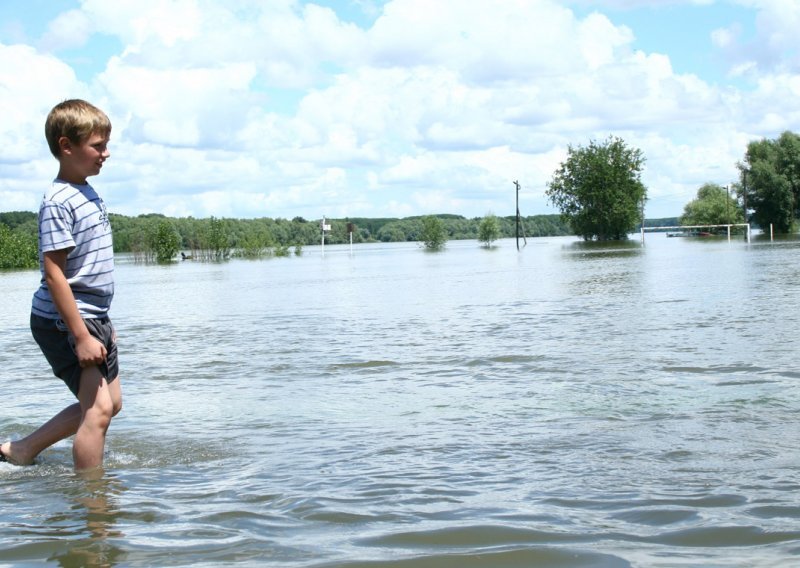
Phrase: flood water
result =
(567, 405)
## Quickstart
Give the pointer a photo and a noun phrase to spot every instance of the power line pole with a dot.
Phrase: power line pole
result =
(516, 184)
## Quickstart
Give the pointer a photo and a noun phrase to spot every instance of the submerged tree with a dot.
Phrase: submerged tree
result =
(713, 206)
(433, 235)
(164, 241)
(217, 239)
(598, 189)
(488, 230)
(770, 181)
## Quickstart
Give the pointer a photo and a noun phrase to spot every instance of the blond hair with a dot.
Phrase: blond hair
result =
(77, 120)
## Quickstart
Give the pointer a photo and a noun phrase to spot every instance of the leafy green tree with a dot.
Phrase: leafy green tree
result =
(217, 239)
(250, 238)
(165, 241)
(598, 189)
(770, 181)
(488, 230)
(17, 249)
(391, 233)
(433, 234)
(15, 219)
(713, 206)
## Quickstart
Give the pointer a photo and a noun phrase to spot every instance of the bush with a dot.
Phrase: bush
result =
(488, 230)
(433, 235)
(165, 241)
(17, 249)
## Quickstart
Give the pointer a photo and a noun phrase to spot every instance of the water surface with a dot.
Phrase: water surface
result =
(568, 405)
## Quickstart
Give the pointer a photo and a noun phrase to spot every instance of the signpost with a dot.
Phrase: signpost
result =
(324, 228)
(519, 220)
(351, 229)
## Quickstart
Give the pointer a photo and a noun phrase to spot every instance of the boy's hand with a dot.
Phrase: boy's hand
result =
(89, 351)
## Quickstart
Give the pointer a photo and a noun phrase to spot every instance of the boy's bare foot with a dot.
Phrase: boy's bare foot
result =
(7, 455)
(3, 457)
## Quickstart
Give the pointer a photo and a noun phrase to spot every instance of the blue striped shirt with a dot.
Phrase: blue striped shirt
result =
(74, 218)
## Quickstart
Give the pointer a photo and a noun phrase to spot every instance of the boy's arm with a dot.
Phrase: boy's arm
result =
(88, 349)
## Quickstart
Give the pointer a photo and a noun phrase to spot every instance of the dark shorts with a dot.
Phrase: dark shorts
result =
(58, 346)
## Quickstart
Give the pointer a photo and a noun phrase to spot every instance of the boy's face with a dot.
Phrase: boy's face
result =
(79, 161)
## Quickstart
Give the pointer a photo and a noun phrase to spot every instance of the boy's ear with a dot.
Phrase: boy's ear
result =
(64, 145)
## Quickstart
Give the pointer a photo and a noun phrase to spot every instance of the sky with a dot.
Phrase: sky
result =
(391, 108)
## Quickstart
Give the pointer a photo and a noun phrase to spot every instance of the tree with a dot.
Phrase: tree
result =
(17, 249)
(217, 239)
(432, 235)
(713, 206)
(488, 230)
(598, 189)
(770, 181)
(165, 241)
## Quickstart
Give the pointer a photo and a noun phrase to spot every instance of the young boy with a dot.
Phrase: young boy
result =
(69, 315)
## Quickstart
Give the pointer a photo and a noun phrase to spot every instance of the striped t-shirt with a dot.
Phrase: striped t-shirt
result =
(74, 217)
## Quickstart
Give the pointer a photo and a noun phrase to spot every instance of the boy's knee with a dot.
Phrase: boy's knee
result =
(98, 416)
(101, 411)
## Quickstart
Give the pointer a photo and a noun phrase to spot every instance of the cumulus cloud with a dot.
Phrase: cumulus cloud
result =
(69, 30)
(775, 46)
(29, 84)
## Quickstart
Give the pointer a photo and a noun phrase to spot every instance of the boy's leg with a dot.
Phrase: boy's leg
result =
(97, 403)
(62, 425)
(95, 394)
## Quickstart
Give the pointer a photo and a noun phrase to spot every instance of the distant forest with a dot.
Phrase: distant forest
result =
(132, 233)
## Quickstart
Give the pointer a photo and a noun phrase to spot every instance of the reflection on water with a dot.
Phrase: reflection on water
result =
(574, 404)
(95, 504)
(55, 515)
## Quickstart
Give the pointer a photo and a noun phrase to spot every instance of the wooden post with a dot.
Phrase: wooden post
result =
(350, 229)
(516, 184)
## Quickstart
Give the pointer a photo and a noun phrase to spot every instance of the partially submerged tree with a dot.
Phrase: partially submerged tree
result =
(165, 241)
(433, 234)
(598, 189)
(713, 206)
(770, 180)
(488, 230)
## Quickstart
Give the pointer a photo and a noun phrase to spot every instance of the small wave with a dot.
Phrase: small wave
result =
(539, 556)
(722, 369)
(362, 365)
(775, 512)
(712, 537)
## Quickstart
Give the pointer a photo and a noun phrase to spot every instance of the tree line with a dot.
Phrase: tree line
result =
(157, 238)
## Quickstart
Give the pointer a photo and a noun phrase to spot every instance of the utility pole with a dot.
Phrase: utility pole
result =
(516, 184)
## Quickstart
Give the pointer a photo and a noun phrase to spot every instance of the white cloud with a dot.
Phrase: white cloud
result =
(724, 37)
(70, 29)
(776, 45)
(437, 106)
(30, 84)
(180, 107)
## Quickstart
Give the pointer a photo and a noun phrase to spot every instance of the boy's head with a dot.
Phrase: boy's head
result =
(76, 120)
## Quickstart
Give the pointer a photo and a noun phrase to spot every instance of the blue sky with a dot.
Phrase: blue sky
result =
(373, 108)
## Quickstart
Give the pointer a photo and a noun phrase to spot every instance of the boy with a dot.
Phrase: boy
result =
(69, 314)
